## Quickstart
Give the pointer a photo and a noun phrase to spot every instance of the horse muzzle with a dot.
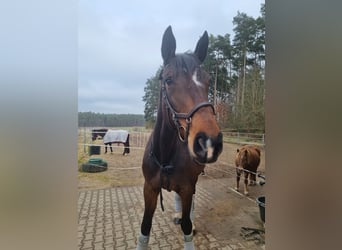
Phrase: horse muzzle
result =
(207, 149)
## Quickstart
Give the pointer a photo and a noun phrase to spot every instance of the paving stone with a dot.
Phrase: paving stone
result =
(119, 242)
(111, 219)
(98, 246)
(121, 248)
(88, 236)
(87, 244)
(131, 244)
(98, 238)
(129, 236)
(108, 240)
(109, 247)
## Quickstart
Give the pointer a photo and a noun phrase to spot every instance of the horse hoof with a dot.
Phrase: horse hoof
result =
(236, 189)
(246, 193)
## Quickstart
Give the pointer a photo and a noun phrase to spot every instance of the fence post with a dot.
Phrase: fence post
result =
(140, 139)
(84, 140)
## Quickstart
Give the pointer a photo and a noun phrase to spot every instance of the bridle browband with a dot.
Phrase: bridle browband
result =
(186, 116)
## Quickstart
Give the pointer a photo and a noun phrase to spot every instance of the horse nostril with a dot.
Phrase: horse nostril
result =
(200, 147)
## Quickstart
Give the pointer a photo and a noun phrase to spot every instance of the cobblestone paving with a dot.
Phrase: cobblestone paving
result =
(110, 219)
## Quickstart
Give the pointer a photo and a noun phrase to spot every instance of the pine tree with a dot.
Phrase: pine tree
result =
(151, 98)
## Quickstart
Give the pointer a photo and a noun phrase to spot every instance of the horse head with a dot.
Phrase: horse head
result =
(241, 157)
(184, 91)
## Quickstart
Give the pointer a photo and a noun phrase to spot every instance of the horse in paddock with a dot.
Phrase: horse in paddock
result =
(185, 137)
(116, 136)
(112, 136)
(247, 160)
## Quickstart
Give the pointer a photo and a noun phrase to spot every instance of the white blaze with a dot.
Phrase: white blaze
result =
(194, 78)
(210, 149)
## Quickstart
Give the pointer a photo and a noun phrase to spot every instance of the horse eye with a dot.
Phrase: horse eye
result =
(168, 80)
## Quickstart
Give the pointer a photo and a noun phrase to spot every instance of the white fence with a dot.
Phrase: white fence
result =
(139, 139)
(244, 138)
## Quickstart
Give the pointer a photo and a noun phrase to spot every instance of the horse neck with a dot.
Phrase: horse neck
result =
(165, 138)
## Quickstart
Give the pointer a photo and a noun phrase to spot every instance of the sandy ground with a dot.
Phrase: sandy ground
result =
(125, 170)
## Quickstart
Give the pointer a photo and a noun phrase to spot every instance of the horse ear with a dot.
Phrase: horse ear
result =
(168, 48)
(202, 47)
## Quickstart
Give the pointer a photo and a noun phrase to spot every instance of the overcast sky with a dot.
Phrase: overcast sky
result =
(120, 41)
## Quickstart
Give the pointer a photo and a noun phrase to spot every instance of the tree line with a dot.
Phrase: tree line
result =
(91, 119)
(237, 69)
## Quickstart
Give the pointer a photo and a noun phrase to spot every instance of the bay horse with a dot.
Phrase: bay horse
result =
(185, 137)
(247, 160)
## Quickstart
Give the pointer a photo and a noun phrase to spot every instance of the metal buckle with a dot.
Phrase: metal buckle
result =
(179, 133)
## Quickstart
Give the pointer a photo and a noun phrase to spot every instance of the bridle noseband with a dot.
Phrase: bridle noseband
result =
(187, 116)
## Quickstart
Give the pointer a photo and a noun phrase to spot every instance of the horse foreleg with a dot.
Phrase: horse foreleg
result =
(150, 199)
(186, 224)
(177, 218)
(178, 209)
(238, 174)
(246, 183)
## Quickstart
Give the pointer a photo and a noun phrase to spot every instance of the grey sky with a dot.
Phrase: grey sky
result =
(119, 44)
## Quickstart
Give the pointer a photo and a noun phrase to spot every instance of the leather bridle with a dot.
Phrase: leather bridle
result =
(168, 169)
(176, 116)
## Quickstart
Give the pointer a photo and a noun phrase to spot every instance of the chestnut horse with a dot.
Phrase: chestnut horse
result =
(186, 135)
(247, 160)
